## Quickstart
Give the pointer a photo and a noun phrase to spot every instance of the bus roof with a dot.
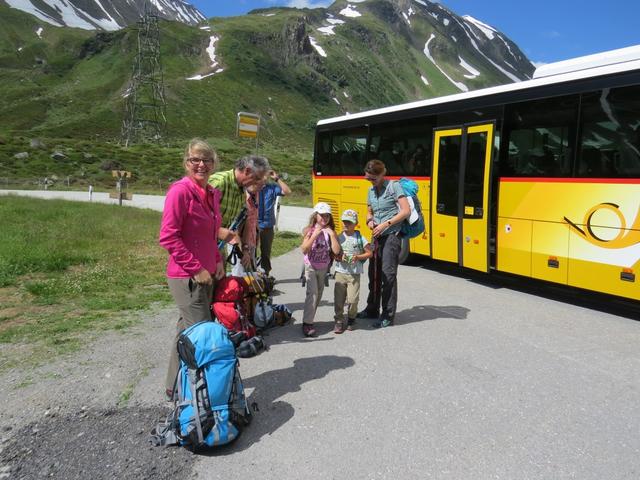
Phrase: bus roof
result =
(605, 63)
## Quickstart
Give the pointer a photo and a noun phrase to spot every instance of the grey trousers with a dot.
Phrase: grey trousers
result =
(315, 287)
(194, 305)
(266, 242)
(383, 271)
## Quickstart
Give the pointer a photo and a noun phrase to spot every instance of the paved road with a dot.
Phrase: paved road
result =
(474, 382)
(291, 219)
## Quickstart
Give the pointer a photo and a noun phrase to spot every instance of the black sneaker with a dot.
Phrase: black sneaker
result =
(366, 314)
(383, 322)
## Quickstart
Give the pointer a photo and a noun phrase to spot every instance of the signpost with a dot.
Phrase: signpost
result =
(121, 186)
(248, 126)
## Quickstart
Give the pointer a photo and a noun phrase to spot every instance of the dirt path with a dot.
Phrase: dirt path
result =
(88, 415)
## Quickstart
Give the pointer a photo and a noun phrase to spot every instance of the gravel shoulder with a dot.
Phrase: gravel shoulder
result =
(88, 415)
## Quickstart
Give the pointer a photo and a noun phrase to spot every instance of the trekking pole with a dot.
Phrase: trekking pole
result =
(376, 274)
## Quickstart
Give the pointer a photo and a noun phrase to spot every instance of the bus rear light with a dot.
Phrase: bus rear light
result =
(476, 241)
(627, 275)
(553, 262)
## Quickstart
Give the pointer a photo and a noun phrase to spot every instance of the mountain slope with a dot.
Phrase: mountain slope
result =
(105, 14)
(292, 66)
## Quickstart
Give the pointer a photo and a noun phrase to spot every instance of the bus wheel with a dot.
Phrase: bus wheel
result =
(404, 251)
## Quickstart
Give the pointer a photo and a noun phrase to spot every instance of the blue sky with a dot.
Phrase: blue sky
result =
(545, 30)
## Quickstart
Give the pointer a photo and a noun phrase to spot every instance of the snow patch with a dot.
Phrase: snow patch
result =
(335, 21)
(454, 38)
(336, 100)
(200, 77)
(475, 45)
(421, 2)
(211, 51)
(473, 73)
(20, 49)
(318, 48)
(327, 30)
(206, 27)
(268, 14)
(26, 6)
(446, 22)
(424, 79)
(488, 30)
(458, 85)
(346, 95)
(39, 32)
(350, 11)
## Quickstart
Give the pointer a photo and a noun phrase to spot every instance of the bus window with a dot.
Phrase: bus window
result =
(474, 170)
(610, 139)
(404, 147)
(448, 171)
(540, 136)
(342, 152)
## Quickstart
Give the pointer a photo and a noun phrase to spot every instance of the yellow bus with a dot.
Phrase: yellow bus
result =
(539, 178)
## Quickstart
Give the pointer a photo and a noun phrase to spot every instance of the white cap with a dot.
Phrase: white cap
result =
(322, 207)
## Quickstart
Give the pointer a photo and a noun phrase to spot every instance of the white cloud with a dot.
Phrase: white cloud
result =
(309, 3)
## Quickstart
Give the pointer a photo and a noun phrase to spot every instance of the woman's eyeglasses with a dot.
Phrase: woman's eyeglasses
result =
(196, 160)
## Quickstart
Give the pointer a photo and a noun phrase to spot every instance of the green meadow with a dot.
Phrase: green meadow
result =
(68, 268)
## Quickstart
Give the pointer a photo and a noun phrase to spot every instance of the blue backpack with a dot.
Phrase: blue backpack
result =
(414, 224)
(211, 407)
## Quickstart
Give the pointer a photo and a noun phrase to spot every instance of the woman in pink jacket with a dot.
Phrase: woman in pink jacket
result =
(189, 232)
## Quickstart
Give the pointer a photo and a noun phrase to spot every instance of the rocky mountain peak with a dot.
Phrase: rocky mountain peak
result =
(105, 14)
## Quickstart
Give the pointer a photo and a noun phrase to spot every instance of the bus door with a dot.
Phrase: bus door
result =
(460, 195)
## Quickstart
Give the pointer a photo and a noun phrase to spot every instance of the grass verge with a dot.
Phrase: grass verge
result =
(68, 268)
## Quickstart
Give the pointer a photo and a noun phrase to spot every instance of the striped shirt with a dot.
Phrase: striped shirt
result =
(232, 195)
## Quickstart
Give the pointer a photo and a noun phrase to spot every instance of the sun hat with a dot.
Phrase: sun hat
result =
(322, 207)
(350, 216)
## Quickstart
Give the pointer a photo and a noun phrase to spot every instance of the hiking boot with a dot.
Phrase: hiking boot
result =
(383, 322)
(366, 314)
(339, 328)
(168, 395)
(351, 324)
(308, 330)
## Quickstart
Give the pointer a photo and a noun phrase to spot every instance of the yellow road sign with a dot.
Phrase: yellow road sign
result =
(248, 124)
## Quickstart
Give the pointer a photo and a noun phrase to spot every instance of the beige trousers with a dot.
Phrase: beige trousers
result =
(346, 292)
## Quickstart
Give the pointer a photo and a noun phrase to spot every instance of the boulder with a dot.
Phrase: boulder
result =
(21, 156)
(57, 155)
(36, 143)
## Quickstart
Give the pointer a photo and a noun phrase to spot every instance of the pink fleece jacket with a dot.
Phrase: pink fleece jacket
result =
(189, 229)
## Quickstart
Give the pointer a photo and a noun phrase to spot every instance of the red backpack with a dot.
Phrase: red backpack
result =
(228, 306)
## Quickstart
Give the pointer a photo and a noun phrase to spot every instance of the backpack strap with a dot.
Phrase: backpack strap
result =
(164, 434)
(194, 403)
(360, 242)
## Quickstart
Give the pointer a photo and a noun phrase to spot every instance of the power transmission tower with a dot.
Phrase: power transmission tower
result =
(144, 109)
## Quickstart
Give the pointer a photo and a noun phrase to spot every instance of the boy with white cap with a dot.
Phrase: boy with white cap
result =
(355, 251)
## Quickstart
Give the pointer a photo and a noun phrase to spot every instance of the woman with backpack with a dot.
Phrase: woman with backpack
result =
(189, 229)
(387, 208)
(319, 246)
